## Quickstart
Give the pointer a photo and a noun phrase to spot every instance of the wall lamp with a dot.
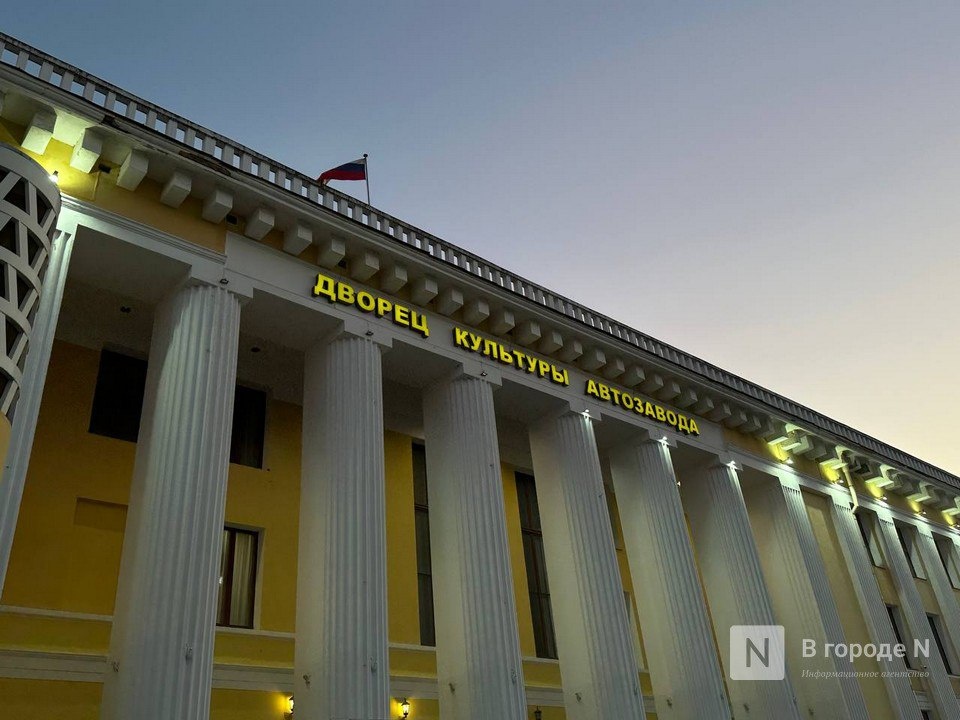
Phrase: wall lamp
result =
(405, 707)
(538, 713)
(289, 713)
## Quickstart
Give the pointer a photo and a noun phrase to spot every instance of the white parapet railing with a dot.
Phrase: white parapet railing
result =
(118, 103)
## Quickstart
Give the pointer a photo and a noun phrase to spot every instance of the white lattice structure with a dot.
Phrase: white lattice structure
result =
(29, 205)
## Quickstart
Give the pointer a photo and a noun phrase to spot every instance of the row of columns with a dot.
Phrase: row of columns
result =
(161, 654)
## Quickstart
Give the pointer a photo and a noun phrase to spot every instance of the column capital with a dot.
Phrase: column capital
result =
(358, 328)
(580, 407)
(724, 461)
(217, 275)
(468, 368)
(657, 435)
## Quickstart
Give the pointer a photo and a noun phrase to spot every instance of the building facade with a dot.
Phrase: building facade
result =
(269, 442)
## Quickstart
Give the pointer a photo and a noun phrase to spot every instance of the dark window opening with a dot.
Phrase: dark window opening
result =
(238, 578)
(249, 424)
(906, 542)
(17, 195)
(934, 621)
(8, 236)
(118, 396)
(421, 509)
(534, 559)
(118, 403)
(866, 532)
(895, 619)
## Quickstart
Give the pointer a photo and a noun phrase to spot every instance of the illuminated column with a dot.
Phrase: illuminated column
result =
(939, 690)
(860, 568)
(29, 251)
(684, 666)
(940, 582)
(478, 649)
(597, 660)
(734, 585)
(341, 667)
(161, 647)
(801, 594)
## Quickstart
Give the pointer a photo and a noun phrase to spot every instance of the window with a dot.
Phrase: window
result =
(118, 396)
(238, 577)
(898, 630)
(421, 509)
(865, 523)
(910, 549)
(533, 556)
(634, 631)
(945, 549)
(937, 631)
(118, 402)
(249, 422)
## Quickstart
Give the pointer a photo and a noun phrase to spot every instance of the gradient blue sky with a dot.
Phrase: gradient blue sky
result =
(774, 187)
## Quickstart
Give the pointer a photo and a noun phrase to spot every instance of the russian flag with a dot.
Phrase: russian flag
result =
(356, 170)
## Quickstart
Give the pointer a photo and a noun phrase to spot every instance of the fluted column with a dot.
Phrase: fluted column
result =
(31, 391)
(597, 660)
(734, 583)
(860, 568)
(939, 690)
(161, 649)
(478, 650)
(341, 665)
(684, 665)
(803, 600)
(940, 582)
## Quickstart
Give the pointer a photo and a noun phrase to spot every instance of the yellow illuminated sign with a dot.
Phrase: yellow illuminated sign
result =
(504, 355)
(344, 294)
(628, 401)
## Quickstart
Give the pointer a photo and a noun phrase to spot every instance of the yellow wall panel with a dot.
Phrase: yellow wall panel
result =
(49, 699)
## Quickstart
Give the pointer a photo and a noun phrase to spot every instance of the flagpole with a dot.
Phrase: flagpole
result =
(366, 176)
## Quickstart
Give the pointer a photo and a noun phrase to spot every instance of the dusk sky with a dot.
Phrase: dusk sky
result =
(774, 187)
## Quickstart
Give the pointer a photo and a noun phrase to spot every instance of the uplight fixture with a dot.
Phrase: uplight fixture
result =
(55, 177)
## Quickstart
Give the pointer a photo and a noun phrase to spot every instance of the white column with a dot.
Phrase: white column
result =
(161, 647)
(31, 391)
(341, 668)
(874, 610)
(939, 690)
(798, 584)
(597, 660)
(940, 582)
(684, 664)
(734, 584)
(478, 649)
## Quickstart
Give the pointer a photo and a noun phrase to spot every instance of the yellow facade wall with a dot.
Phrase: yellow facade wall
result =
(69, 538)
(49, 699)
